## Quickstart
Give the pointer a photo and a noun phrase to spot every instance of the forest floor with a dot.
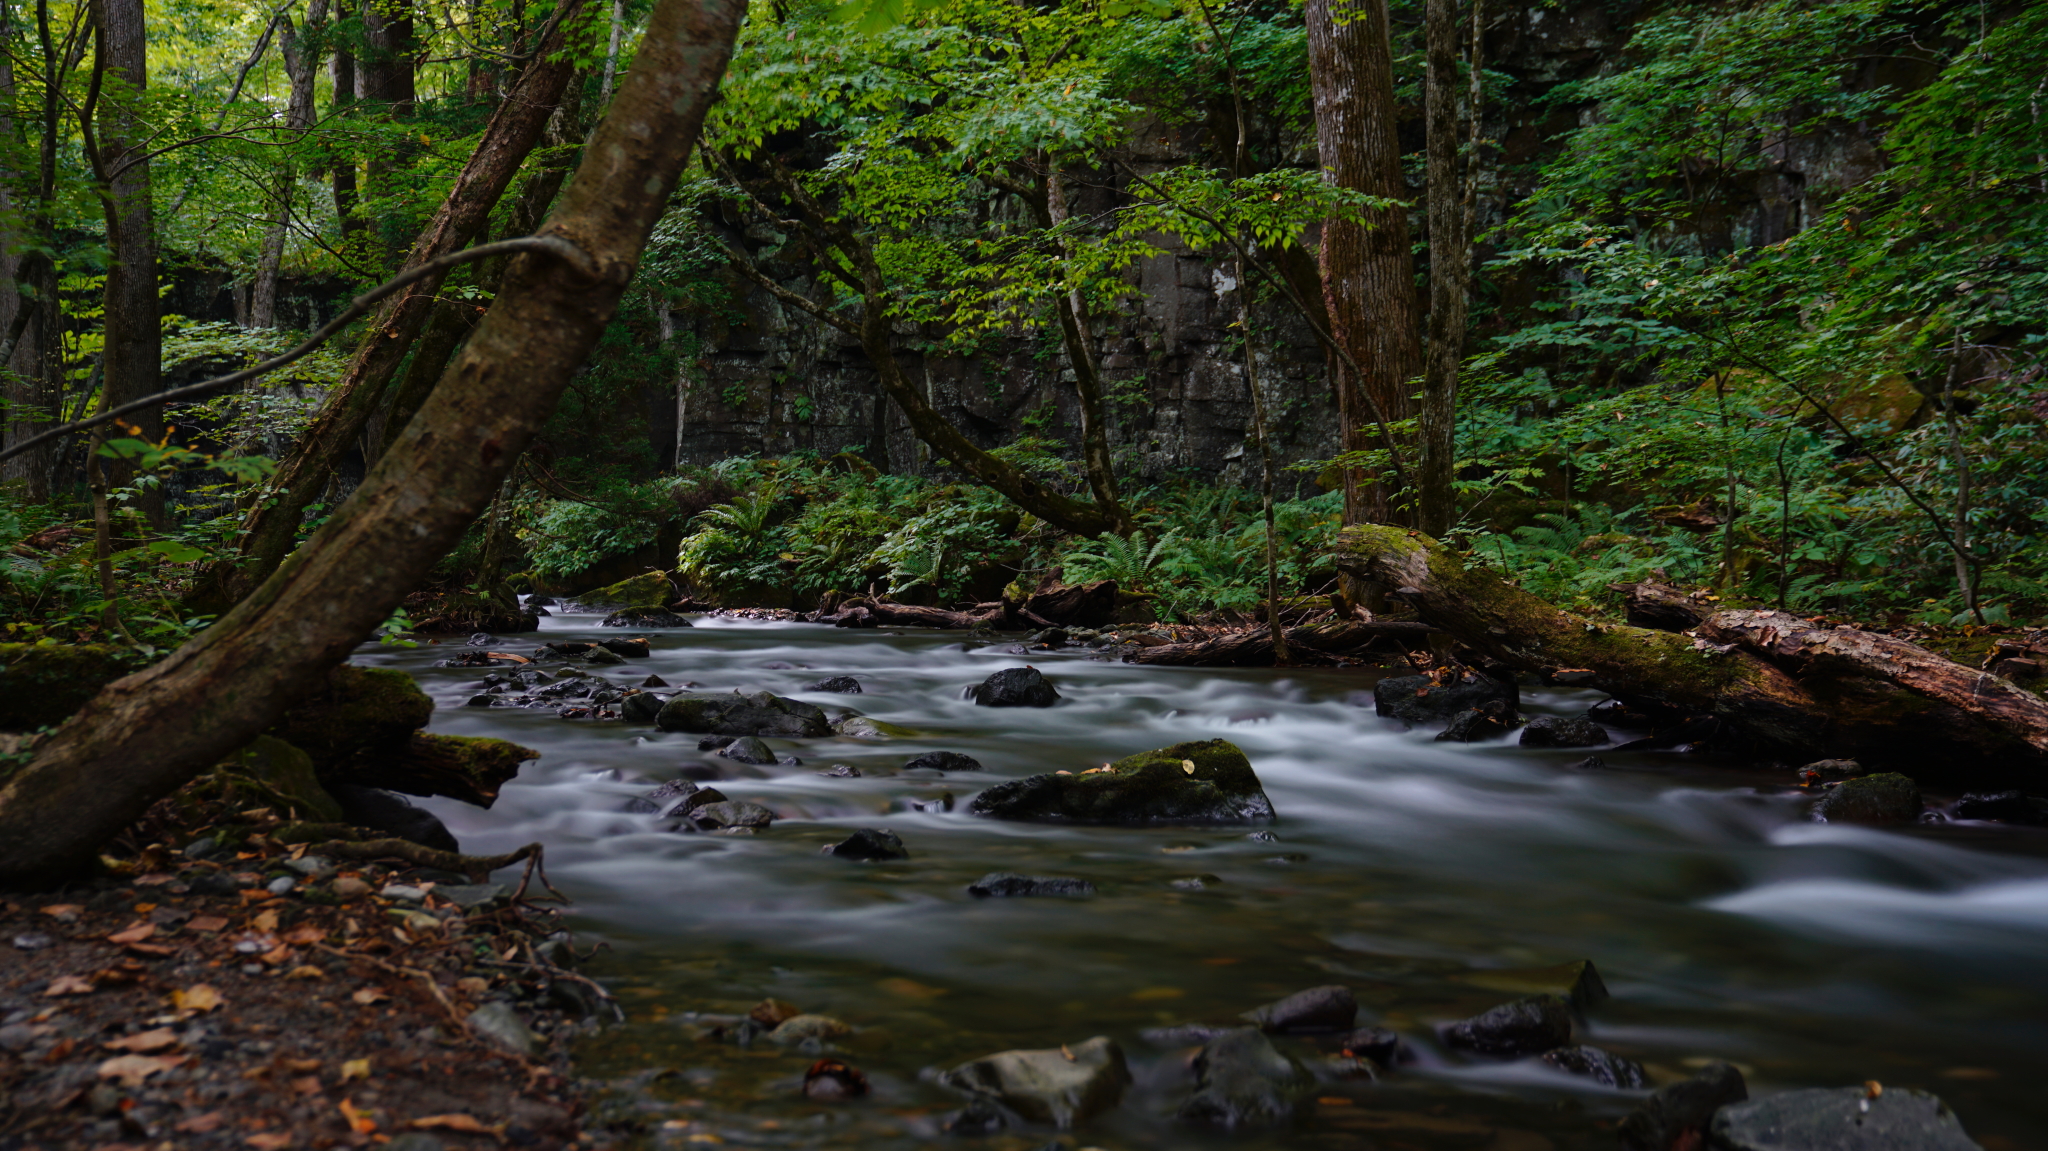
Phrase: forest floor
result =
(268, 1000)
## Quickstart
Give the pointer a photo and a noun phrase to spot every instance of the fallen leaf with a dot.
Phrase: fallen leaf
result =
(63, 912)
(301, 1065)
(273, 1141)
(208, 923)
(358, 1121)
(302, 935)
(309, 1085)
(305, 971)
(131, 1070)
(456, 1122)
(144, 908)
(369, 995)
(278, 955)
(161, 1039)
(355, 1069)
(197, 998)
(68, 985)
(152, 950)
(265, 922)
(202, 1124)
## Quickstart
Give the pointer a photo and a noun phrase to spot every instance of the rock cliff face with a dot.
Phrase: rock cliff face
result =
(772, 381)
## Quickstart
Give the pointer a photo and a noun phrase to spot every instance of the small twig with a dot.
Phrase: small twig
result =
(427, 978)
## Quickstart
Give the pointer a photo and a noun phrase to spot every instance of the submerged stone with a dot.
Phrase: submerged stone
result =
(1242, 1080)
(1329, 1008)
(869, 843)
(1874, 799)
(1525, 1027)
(1007, 885)
(1060, 1086)
(840, 684)
(943, 761)
(1555, 731)
(1677, 1116)
(758, 714)
(1841, 1119)
(1209, 781)
(1600, 1066)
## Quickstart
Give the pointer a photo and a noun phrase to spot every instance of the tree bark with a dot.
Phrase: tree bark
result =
(386, 81)
(148, 733)
(1436, 502)
(342, 70)
(272, 524)
(1367, 272)
(1074, 332)
(132, 317)
(1777, 685)
(302, 67)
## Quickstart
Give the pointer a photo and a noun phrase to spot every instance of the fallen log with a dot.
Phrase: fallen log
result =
(1661, 606)
(1845, 694)
(1254, 647)
(881, 613)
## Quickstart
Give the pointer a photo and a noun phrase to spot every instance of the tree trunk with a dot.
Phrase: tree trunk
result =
(1368, 274)
(1074, 332)
(272, 525)
(302, 68)
(132, 320)
(148, 733)
(386, 80)
(1255, 648)
(1436, 501)
(342, 69)
(1776, 684)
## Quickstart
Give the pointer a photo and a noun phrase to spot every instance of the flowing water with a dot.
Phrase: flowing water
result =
(1726, 925)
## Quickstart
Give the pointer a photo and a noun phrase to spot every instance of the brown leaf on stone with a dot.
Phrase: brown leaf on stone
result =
(146, 1043)
(463, 1123)
(196, 999)
(68, 985)
(208, 923)
(131, 1070)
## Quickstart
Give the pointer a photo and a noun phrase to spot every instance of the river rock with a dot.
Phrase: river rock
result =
(1614, 713)
(840, 684)
(943, 761)
(1676, 1117)
(2001, 807)
(1242, 1080)
(869, 843)
(758, 714)
(1061, 1086)
(604, 655)
(1829, 771)
(1015, 687)
(1578, 981)
(1379, 1044)
(1487, 721)
(1874, 799)
(865, 727)
(1525, 1027)
(747, 749)
(841, 771)
(1567, 731)
(730, 815)
(630, 648)
(1600, 1066)
(1841, 1119)
(1418, 699)
(380, 810)
(1009, 885)
(798, 1028)
(501, 1025)
(1209, 781)
(644, 617)
(641, 707)
(1329, 1008)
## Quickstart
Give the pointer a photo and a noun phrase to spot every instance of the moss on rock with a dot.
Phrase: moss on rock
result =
(287, 772)
(648, 590)
(44, 684)
(1874, 799)
(466, 767)
(1209, 781)
(361, 707)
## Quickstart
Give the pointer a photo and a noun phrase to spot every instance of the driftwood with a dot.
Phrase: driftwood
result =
(1254, 647)
(1076, 605)
(1774, 683)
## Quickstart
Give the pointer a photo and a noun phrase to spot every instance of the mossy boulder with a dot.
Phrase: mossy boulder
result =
(42, 685)
(287, 773)
(1874, 799)
(1209, 781)
(360, 708)
(650, 589)
(465, 767)
(758, 714)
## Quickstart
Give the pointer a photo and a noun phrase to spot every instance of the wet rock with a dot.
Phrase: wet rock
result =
(1243, 1081)
(654, 681)
(1183, 1034)
(1418, 699)
(772, 1013)
(1201, 882)
(1378, 1044)
(1578, 982)
(32, 941)
(539, 600)
(1009, 885)
(1614, 713)
(1676, 1117)
(630, 648)
(382, 811)
(829, 1080)
(863, 727)
(1590, 763)
(1060, 1086)
(1015, 687)
(943, 803)
(474, 897)
(1600, 1066)
(943, 761)
(1841, 1119)
(644, 617)
(1525, 1027)
(605, 655)
(747, 749)
(1571, 731)
(1209, 781)
(481, 701)
(501, 1025)
(713, 742)
(981, 1117)
(730, 816)
(2001, 807)
(758, 714)
(1828, 771)
(869, 843)
(1874, 800)
(798, 1028)
(1328, 1008)
(841, 771)
(841, 684)
(662, 799)
(1487, 721)
(641, 707)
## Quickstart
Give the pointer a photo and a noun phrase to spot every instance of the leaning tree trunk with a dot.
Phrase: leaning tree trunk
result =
(271, 528)
(146, 734)
(1778, 684)
(1368, 274)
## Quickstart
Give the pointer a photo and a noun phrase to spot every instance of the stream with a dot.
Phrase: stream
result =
(1725, 925)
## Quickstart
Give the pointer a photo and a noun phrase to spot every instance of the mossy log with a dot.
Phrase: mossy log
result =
(468, 768)
(41, 684)
(1777, 684)
(1254, 647)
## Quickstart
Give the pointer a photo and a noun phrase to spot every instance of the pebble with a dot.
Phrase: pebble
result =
(282, 885)
(349, 887)
(403, 891)
(32, 941)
